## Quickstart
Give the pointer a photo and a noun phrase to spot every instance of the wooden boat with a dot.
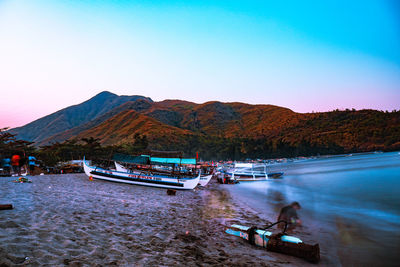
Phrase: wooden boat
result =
(120, 168)
(251, 172)
(275, 175)
(207, 171)
(281, 243)
(248, 176)
(145, 178)
(204, 179)
(253, 176)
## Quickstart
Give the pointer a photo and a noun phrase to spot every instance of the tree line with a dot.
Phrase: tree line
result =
(305, 140)
(73, 149)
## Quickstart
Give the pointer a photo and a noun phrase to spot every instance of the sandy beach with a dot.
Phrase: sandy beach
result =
(69, 220)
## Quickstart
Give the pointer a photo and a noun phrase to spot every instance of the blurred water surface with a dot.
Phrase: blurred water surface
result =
(350, 203)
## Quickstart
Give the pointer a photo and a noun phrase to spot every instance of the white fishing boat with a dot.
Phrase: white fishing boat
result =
(203, 179)
(251, 172)
(145, 178)
(120, 168)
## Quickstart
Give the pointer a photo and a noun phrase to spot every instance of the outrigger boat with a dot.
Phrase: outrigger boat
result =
(143, 177)
(208, 172)
(280, 242)
(250, 172)
(120, 168)
(204, 179)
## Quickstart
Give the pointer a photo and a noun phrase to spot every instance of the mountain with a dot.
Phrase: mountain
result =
(221, 130)
(211, 118)
(137, 105)
(351, 130)
(122, 128)
(72, 116)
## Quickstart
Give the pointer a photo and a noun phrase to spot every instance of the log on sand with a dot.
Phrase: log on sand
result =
(6, 207)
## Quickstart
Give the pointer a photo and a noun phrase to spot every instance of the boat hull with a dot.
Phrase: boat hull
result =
(204, 180)
(255, 176)
(275, 175)
(141, 178)
(248, 177)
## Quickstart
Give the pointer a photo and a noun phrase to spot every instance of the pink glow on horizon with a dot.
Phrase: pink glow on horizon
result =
(14, 115)
(55, 54)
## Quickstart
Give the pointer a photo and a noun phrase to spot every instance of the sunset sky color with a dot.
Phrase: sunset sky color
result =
(303, 55)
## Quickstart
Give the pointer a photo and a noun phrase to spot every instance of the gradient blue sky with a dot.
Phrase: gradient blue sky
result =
(304, 55)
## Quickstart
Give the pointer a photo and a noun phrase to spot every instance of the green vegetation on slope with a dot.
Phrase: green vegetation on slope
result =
(221, 130)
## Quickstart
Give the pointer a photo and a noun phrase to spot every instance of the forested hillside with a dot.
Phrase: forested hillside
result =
(229, 130)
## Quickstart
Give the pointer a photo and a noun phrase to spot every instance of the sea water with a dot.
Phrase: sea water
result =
(350, 204)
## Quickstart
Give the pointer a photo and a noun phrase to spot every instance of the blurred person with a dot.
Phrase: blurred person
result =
(289, 214)
(15, 163)
(7, 165)
(32, 164)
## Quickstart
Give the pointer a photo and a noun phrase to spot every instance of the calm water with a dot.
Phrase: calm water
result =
(350, 204)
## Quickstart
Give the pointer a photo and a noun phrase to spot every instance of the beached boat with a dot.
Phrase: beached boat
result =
(120, 168)
(281, 242)
(251, 172)
(207, 171)
(145, 178)
(204, 179)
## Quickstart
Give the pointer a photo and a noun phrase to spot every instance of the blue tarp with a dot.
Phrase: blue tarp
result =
(155, 160)
(145, 159)
(131, 159)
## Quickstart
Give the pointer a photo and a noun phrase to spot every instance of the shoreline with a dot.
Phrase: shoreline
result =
(309, 232)
(68, 220)
(348, 206)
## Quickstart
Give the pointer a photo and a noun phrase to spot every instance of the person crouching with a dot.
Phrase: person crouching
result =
(289, 214)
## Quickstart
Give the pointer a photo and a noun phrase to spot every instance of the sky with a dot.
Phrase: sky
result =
(308, 56)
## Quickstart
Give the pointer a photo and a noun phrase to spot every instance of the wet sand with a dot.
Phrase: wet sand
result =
(69, 220)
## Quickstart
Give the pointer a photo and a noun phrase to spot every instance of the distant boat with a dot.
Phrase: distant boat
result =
(254, 176)
(250, 172)
(145, 178)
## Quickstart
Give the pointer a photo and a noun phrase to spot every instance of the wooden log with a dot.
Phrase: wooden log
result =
(280, 243)
(6, 207)
(308, 252)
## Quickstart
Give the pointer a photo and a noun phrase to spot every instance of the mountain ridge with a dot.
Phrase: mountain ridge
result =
(71, 116)
(237, 127)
